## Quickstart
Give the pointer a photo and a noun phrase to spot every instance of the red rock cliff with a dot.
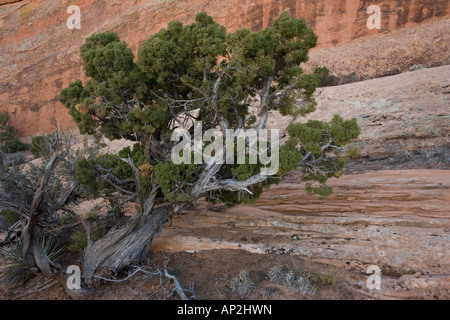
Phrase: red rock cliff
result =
(39, 55)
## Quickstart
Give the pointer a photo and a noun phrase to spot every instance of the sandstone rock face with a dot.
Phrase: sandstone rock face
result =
(415, 48)
(401, 116)
(8, 1)
(407, 112)
(39, 54)
(396, 220)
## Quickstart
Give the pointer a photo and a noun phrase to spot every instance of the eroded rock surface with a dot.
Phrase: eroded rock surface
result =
(397, 220)
(402, 113)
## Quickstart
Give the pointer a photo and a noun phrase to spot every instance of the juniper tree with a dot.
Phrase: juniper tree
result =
(182, 74)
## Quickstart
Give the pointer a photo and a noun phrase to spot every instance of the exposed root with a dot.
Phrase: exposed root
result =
(163, 273)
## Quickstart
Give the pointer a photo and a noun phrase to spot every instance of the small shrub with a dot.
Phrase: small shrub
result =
(64, 219)
(305, 285)
(276, 274)
(92, 215)
(291, 281)
(15, 270)
(7, 137)
(242, 284)
(328, 278)
(79, 241)
(39, 146)
(323, 76)
(49, 246)
(10, 216)
(14, 146)
(7, 132)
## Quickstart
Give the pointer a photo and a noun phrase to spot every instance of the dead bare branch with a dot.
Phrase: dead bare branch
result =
(40, 288)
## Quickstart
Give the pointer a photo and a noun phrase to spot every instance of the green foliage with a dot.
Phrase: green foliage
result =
(7, 132)
(104, 56)
(7, 137)
(88, 177)
(323, 76)
(120, 86)
(245, 170)
(49, 244)
(72, 98)
(192, 49)
(277, 52)
(353, 151)
(172, 179)
(289, 157)
(343, 131)
(11, 216)
(40, 145)
(89, 174)
(14, 146)
(328, 278)
(92, 215)
(115, 83)
(183, 68)
(232, 198)
(78, 240)
(16, 270)
(313, 138)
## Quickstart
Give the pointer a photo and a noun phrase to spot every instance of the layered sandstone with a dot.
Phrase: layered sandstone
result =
(396, 220)
(40, 55)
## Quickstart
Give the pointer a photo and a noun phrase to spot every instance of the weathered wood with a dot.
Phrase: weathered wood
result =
(122, 247)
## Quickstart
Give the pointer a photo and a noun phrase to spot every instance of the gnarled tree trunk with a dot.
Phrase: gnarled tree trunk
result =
(122, 247)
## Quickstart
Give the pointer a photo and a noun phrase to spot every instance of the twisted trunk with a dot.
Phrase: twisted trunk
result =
(33, 253)
(122, 247)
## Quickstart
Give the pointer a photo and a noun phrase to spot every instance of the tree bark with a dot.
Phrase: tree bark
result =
(122, 247)
(33, 253)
